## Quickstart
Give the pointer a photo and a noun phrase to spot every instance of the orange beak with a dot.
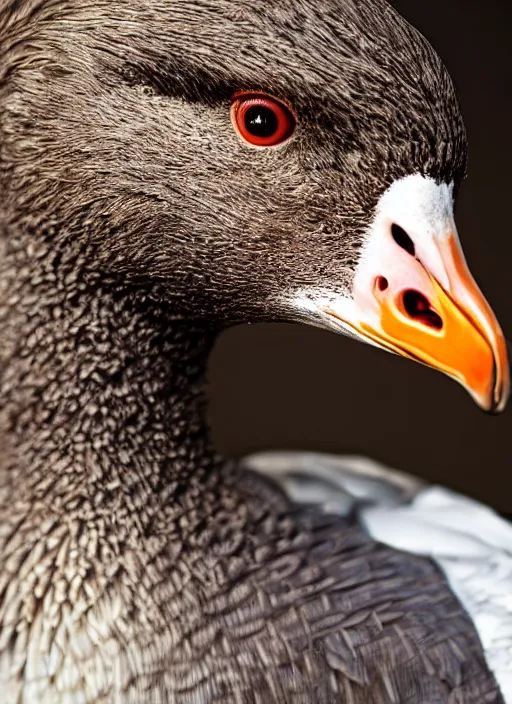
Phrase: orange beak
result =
(404, 307)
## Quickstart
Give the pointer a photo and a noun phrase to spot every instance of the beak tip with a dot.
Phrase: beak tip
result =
(496, 408)
(491, 406)
(501, 403)
(500, 397)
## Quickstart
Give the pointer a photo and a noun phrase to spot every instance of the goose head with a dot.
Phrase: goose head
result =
(252, 162)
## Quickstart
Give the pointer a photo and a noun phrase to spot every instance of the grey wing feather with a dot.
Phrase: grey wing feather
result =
(469, 541)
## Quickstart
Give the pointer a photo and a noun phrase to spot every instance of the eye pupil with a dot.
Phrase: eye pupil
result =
(261, 121)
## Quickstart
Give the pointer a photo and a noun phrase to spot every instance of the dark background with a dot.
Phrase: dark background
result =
(293, 387)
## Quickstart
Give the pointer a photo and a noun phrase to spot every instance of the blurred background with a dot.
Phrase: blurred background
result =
(293, 387)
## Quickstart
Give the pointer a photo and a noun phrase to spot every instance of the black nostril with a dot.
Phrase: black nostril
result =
(402, 239)
(417, 307)
(382, 283)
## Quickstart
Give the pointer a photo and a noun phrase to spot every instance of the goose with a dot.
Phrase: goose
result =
(169, 169)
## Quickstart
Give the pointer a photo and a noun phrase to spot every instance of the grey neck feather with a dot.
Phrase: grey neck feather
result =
(103, 404)
(116, 515)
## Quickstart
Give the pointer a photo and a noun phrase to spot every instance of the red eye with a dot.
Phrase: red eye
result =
(261, 120)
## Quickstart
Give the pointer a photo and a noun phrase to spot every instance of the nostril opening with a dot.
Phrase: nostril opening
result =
(402, 239)
(418, 307)
(382, 283)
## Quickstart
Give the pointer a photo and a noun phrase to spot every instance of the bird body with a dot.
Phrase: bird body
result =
(137, 221)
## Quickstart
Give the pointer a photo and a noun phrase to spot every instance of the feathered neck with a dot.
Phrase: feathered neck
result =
(102, 393)
(114, 509)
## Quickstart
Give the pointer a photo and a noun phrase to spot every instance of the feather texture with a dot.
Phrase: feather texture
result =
(469, 541)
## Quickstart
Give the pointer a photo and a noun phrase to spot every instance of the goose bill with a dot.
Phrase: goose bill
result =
(448, 326)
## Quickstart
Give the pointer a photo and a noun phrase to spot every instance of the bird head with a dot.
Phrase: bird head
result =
(291, 161)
